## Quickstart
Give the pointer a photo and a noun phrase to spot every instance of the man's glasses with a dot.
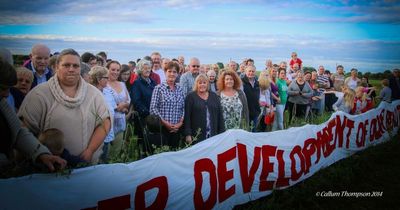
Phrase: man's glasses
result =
(196, 66)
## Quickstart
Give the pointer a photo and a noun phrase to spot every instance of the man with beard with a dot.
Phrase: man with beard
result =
(156, 68)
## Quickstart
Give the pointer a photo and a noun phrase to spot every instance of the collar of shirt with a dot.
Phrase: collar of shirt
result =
(36, 74)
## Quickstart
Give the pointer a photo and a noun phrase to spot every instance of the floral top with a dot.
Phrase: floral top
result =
(231, 110)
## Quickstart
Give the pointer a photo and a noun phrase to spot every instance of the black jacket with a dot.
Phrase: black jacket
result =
(253, 96)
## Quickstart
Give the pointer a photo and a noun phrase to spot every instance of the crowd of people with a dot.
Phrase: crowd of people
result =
(84, 102)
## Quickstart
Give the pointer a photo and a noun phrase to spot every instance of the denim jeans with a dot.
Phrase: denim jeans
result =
(278, 121)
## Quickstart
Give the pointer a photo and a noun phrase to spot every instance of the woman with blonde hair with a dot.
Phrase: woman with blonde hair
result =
(345, 103)
(266, 99)
(203, 112)
(233, 101)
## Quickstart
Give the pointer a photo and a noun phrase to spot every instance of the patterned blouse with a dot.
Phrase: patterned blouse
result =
(231, 110)
(119, 117)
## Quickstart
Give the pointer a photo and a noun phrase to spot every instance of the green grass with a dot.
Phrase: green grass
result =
(374, 169)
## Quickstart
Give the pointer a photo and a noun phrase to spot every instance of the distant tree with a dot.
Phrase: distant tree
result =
(367, 74)
(308, 68)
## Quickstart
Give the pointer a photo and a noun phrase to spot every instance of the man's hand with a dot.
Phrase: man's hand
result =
(51, 160)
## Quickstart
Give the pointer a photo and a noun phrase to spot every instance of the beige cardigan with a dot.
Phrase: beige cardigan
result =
(46, 106)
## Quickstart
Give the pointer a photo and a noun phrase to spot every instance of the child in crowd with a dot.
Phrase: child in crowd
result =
(386, 92)
(53, 139)
(345, 103)
(361, 102)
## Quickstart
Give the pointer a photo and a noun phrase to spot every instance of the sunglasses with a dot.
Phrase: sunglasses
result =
(195, 66)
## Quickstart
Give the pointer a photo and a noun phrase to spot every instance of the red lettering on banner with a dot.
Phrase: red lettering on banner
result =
(360, 137)
(372, 130)
(162, 197)
(340, 130)
(381, 126)
(246, 176)
(282, 181)
(325, 137)
(118, 203)
(308, 151)
(296, 151)
(396, 118)
(350, 126)
(224, 175)
(204, 165)
(389, 120)
(267, 167)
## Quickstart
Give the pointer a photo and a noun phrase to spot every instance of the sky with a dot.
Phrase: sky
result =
(356, 34)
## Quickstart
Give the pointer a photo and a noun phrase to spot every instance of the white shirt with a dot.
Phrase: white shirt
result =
(161, 73)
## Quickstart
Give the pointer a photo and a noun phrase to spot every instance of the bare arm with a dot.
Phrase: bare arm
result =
(96, 139)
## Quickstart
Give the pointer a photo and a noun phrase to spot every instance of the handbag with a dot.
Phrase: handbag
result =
(269, 118)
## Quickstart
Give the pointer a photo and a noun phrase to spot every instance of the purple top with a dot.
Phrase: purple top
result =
(274, 90)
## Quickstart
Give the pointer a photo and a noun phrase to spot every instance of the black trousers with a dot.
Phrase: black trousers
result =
(300, 110)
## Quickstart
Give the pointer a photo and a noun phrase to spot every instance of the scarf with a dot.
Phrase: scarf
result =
(62, 98)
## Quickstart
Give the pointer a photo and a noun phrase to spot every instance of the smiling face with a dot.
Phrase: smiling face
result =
(228, 81)
(113, 71)
(202, 85)
(68, 70)
(171, 75)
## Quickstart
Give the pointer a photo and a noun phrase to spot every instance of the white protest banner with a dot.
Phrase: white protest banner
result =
(229, 169)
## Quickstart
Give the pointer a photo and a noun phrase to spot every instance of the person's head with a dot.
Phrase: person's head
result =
(165, 61)
(344, 88)
(202, 69)
(327, 73)
(273, 73)
(85, 68)
(89, 59)
(300, 77)
(232, 66)
(340, 69)
(294, 55)
(68, 68)
(283, 65)
(6, 55)
(307, 76)
(250, 62)
(385, 82)
(215, 67)
(156, 59)
(282, 73)
(103, 55)
(296, 67)
(8, 78)
(201, 83)
(52, 62)
(40, 55)
(100, 60)
(194, 65)
(264, 81)
(171, 72)
(114, 69)
(181, 60)
(53, 139)
(353, 72)
(321, 70)
(99, 76)
(364, 80)
(359, 92)
(268, 64)
(348, 98)
(132, 66)
(228, 79)
(396, 72)
(25, 79)
(143, 68)
(125, 73)
(211, 75)
(314, 75)
(250, 72)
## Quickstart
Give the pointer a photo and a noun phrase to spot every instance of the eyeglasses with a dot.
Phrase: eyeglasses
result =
(104, 78)
(196, 66)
